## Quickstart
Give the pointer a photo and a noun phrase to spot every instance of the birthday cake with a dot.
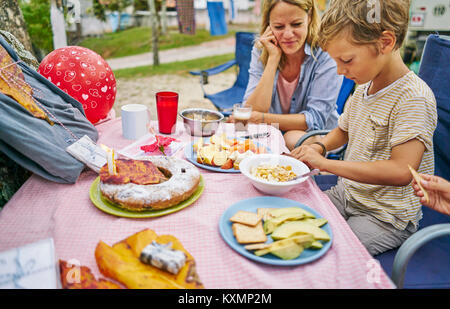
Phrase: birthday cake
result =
(151, 183)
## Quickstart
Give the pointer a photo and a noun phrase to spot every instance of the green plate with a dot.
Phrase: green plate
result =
(112, 209)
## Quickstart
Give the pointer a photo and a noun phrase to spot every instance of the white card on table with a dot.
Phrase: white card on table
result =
(32, 266)
(88, 152)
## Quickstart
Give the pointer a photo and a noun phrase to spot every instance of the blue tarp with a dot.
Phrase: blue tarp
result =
(216, 12)
(113, 19)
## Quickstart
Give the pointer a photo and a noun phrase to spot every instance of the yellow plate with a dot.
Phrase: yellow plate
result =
(113, 209)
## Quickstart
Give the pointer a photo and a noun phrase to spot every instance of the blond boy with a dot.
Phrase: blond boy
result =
(388, 123)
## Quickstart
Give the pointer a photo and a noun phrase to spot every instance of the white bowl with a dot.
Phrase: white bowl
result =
(268, 187)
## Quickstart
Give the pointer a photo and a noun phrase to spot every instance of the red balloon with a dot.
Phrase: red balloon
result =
(85, 76)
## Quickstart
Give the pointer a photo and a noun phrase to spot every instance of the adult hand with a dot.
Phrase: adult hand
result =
(438, 191)
(269, 41)
(256, 117)
(310, 155)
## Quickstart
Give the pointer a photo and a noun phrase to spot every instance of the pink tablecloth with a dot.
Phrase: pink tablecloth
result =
(42, 209)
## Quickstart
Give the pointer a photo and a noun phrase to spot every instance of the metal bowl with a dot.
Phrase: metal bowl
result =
(195, 121)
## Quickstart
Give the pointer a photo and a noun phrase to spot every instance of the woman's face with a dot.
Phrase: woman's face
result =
(289, 24)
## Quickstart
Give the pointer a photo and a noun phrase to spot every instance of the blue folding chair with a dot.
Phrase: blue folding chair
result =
(346, 90)
(225, 99)
(435, 71)
(426, 253)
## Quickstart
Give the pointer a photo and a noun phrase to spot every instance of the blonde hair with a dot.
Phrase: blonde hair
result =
(365, 21)
(309, 6)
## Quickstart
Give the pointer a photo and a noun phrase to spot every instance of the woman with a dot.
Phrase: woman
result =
(438, 190)
(292, 81)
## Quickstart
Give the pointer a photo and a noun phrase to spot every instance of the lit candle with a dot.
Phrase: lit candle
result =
(112, 169)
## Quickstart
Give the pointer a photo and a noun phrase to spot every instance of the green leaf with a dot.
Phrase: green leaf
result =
(161, 148)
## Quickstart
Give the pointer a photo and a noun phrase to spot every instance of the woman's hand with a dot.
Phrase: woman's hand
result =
(256, 117)
(310, 155)
(269, 41)
(438, 190)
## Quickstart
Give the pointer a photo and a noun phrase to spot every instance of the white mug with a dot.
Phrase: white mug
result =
(135, 119)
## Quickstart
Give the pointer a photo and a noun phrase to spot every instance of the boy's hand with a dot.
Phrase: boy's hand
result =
(438, 191)
(310, 155)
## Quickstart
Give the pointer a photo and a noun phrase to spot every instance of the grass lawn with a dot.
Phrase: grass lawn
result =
(136, 41)
(180, 67)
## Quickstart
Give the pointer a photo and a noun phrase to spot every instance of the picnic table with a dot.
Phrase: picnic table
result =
(64, 212)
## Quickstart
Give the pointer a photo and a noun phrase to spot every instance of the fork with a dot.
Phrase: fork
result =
(310, 173)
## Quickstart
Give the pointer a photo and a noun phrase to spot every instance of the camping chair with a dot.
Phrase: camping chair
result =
(429, 266)
(225, 99)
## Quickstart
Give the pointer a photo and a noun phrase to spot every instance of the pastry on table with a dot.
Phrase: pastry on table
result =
(152, 183)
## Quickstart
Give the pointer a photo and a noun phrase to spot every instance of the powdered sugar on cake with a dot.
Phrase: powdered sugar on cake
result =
(184, 180)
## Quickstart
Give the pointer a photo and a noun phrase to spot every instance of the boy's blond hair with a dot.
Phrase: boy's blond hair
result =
(365, 20)
(309, 6)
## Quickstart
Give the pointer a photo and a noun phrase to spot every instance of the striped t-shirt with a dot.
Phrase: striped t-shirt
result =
(404, 110)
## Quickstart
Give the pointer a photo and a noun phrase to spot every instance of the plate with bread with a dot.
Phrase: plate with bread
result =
(276, 231)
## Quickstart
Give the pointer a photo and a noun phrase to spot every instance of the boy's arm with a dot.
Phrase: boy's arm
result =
(392, 172)
(312, 154)
(335, 139)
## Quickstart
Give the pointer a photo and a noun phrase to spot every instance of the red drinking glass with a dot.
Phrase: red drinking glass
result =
(166, 107)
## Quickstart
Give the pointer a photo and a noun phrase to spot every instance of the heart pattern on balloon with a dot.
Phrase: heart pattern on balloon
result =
(76, 87)
(48, 68)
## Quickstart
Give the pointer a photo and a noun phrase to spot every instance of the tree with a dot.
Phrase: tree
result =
(161, 8)
(12, 175)
(100, 7)
(154, 6)
(155, 32)
(36, 14)
(11, 20)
